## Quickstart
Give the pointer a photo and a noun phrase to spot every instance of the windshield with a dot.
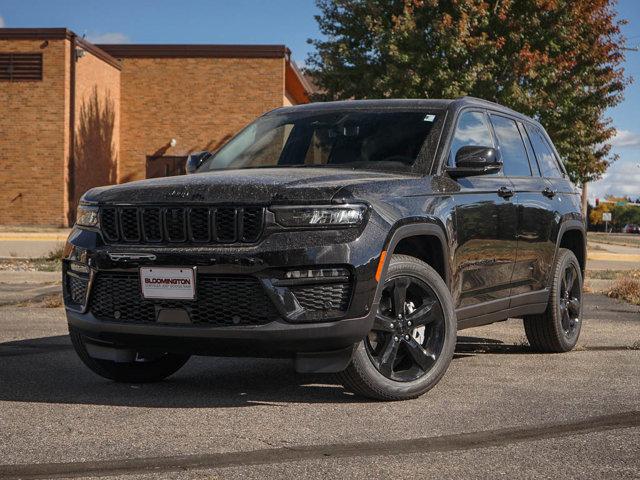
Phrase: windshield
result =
(355, 139)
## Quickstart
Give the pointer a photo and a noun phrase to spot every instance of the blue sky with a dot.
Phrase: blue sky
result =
(289, 22)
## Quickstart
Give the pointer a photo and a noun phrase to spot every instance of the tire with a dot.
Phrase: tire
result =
(364, 376)
(558, 328)
(138, 371)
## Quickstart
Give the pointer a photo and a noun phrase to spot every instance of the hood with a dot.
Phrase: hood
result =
(251, 186)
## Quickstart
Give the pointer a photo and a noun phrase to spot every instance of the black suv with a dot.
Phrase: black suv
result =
(354, 237)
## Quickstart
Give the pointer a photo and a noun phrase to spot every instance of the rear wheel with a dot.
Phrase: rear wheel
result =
(558, 328)
(413, 337)
(146, 367)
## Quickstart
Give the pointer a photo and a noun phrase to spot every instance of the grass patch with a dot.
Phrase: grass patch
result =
(49, 301)
(612, 274)
(627, 289)
(31, 265)
(51, 262)
(57, 254)
(628, 240)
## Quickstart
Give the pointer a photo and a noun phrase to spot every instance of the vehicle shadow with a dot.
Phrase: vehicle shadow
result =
(48, 370)
(473, 345)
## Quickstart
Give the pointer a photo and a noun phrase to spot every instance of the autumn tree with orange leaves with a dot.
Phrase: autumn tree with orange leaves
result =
(557, 61)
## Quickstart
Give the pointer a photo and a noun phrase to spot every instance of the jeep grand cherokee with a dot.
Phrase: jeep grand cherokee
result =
(354, 237)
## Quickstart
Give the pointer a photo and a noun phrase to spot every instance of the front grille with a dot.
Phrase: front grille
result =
(180, 225)
(325, 297)
(220, 301)
(76, 288)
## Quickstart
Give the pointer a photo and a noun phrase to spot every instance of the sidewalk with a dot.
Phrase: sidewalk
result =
(30, 242)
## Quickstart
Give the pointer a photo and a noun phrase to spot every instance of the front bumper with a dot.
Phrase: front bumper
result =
(291, 330)
(278, 338)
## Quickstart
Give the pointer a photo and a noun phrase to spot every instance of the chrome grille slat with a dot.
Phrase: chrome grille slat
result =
(152, 224)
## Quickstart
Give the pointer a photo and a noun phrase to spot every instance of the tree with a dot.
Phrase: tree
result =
(622, 210)
(559, 61)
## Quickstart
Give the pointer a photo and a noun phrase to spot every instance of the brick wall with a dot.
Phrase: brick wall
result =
(34, 138)
(200, 102)
(97, 125)
(120, 117)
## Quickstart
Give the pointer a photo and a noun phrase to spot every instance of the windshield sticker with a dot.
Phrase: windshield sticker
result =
(429, 117)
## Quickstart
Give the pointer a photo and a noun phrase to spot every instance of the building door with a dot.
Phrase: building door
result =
(165, 166)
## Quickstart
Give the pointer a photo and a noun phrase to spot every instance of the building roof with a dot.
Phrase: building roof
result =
(190, 51)
(111, 53)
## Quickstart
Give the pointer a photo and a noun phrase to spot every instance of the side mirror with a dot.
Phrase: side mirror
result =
(474, 160)
(195, 160)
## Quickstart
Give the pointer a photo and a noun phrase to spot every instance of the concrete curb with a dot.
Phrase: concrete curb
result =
(614, 257)
(33, 237)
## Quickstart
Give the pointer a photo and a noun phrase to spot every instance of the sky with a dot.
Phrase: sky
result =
(290, 22)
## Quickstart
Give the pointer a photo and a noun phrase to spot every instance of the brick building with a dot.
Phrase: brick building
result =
(74, 115)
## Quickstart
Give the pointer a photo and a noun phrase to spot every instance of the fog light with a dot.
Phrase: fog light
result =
(317, 273)
(78, 267)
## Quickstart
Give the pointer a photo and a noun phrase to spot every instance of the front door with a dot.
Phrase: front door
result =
(485, 217)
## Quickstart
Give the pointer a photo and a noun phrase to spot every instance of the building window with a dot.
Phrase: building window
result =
(16, 67)
(165, 166)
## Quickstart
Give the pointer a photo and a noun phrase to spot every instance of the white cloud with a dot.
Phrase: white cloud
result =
(626, 139)
(622, 179)
(110, 37)
(2, 24)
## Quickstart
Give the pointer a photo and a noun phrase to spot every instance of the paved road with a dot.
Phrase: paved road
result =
(31, 244)
(501, 411)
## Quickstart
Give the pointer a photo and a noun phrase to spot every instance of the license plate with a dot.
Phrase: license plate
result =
(168, 283)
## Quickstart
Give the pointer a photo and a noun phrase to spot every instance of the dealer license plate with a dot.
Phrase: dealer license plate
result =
(168, 283)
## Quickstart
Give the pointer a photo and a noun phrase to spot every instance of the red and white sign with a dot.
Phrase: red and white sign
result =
(168, 283)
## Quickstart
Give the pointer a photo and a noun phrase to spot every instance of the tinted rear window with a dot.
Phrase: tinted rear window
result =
(546, 159)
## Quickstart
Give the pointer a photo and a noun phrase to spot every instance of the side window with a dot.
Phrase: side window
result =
(472, 129)
(535, 168)
(512, 149)
(546, 158)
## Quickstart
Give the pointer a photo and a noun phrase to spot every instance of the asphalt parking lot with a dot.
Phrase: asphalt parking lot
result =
(499, 411)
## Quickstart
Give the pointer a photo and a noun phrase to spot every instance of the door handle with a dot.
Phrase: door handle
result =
(505, 192)
(547, 192)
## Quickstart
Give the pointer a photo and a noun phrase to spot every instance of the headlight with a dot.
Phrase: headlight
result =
(87, 216)
(338, 215)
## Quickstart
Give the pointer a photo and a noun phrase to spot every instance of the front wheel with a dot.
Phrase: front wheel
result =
(413, 337)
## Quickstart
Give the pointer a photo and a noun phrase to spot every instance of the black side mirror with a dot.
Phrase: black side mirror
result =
(195, 160)
(474, 160)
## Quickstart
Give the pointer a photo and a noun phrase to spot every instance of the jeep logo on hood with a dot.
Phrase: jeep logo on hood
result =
(179, 194)
(185, 194)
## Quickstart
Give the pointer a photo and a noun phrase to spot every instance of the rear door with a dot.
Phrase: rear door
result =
(534, 210)
(562, 198)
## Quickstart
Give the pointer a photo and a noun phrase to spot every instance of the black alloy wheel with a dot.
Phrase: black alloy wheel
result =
(570, 295)
(408, 331)
(557, 328)
(412, 338)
